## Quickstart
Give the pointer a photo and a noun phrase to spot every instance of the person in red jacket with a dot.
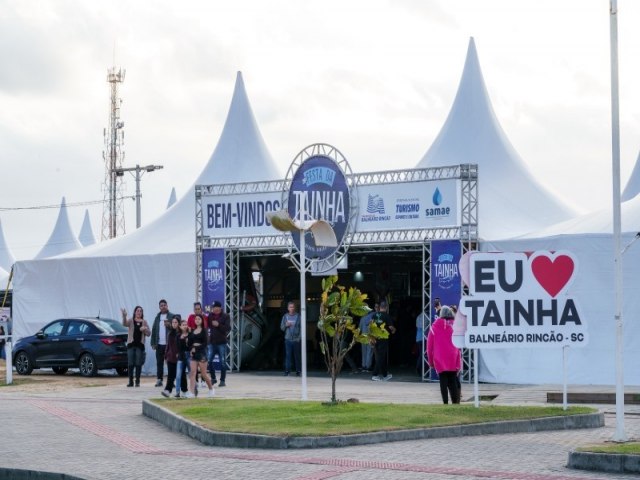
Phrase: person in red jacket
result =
(444, 356)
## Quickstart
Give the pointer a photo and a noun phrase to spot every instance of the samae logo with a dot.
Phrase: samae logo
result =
(437, 210)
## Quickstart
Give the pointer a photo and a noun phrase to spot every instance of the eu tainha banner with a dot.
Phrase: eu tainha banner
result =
(520, 300)
(213, 276)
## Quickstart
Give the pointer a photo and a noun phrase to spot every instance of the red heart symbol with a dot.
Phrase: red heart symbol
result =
(552, 275)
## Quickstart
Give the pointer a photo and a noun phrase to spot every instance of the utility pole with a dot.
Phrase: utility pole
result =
(139, 171)
(113, 211)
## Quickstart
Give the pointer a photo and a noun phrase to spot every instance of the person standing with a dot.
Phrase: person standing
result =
(171, 356)
(182, 367)
(3, 342)
(381, 346)
(367, 349)
(138, 329)
(219, 327)
(197, 343)
(161, 326)
(444, 356)
(422, 321)
(290, 325)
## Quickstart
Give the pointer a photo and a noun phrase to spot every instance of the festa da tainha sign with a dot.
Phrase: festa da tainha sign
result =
(520, 300)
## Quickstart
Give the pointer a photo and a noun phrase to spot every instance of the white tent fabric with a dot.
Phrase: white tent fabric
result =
(156, 261)
(62, 238)
(632, 188)
(592, 290)
(4, 278)
(86, 237)
(172, 197)
(511, 201)
(6, 258)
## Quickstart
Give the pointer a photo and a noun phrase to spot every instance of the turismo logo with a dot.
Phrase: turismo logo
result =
(407, 208)
(438, 210)
(375, 210)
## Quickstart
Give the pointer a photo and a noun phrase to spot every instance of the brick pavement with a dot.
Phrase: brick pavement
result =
(99, 433)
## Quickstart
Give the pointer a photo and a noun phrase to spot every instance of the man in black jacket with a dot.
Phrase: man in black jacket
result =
(219, 327)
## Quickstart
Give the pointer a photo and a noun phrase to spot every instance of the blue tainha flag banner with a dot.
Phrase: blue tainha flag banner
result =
(213, 276)
(445, 272)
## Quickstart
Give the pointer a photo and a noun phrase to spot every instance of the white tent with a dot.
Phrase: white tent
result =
(156, 261)
(62, 238)
(6, 258)
(172, 197)
(633, 184)
(86, 237)
(511, 201)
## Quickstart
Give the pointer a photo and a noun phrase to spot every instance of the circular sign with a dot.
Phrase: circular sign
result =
(319, 189)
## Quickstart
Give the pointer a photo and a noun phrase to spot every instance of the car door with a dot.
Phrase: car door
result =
(47, 345)
(71, 343)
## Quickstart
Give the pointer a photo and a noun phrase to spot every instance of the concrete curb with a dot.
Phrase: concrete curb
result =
(240, 440)
(604, 462)
(15, 474)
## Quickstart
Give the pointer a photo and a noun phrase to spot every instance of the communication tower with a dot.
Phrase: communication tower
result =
(113, 155)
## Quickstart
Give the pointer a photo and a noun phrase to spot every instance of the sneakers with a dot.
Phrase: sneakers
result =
(177, 395)
(189, 395)
(214, 381)
(376, 378)
(387, 378)
(212, 393)
(159, 383)
(202, 384)
(165, 393)
(137, 383)
(130, 384)
(222, 384)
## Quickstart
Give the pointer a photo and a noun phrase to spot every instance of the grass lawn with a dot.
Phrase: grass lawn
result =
(629, 448)
(297, 418)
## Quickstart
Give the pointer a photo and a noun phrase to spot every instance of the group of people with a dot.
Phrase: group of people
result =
(188, 346)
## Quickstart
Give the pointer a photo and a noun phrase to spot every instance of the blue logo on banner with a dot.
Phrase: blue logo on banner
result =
(438, 210)
(321, 187)
(437, 197)
(445, 275)
(375, 204)
(213, 276)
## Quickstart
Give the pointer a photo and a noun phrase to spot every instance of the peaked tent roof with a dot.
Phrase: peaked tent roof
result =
(62, 239)
(6, 258)
(172, 197)
(240, 156)
(86, 237)
(632, 188)
(512, 202)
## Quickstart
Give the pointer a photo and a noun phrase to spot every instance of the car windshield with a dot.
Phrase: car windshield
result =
(112, 326)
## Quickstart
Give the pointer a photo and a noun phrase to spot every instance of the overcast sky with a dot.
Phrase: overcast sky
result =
(374, 78)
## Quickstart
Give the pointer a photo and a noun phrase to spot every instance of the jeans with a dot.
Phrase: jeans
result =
(160, 361)
(367, 356)
(135, 359)
(221, 350)
(182, 369)
(292, 349)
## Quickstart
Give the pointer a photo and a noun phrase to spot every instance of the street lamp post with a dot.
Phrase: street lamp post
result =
(139, 171)
(324, 236)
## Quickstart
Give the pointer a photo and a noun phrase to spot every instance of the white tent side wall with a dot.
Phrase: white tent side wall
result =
(593, 290)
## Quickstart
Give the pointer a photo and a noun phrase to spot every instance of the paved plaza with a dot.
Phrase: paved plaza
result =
(94, 429)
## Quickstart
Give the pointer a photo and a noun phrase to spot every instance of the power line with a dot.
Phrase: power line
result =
(57, 205)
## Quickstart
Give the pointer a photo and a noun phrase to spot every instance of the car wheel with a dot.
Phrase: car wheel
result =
(59, 370)
(23, 364)
(88, 367)
(122, 371)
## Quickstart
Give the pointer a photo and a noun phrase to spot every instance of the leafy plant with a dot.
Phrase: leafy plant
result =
(338, 331)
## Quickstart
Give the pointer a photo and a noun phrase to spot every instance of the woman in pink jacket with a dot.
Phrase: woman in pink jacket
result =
(444, 356)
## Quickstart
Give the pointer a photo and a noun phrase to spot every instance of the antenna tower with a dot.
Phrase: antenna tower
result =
(113, 155)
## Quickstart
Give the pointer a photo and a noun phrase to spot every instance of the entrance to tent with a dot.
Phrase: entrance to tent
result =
(266, 283)
(397, 223)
